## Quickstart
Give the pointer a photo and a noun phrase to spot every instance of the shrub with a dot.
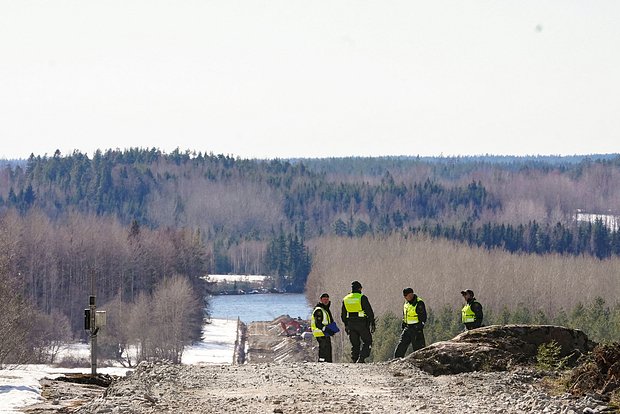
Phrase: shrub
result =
(549, 357)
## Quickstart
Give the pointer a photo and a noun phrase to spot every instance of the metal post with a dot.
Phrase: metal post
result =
(93, 336)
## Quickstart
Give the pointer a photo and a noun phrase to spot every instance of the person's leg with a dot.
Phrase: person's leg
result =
(354, 337)
(403, 343)
(328, 350)
(323, 348)
(366, 337)
(419, 341)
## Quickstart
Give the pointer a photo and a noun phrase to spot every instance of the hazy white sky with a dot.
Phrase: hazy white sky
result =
(286, 78)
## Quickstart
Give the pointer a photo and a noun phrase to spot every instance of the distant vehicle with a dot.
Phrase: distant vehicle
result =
(294, 327)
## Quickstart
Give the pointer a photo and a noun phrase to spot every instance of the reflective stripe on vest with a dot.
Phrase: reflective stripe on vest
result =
(468, 315)
(326, 321)
(353, 304)
(410, 315)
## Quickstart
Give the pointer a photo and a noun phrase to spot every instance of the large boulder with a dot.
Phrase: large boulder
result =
(497, 348)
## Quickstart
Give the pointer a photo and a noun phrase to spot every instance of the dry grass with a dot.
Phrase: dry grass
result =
(438, 270)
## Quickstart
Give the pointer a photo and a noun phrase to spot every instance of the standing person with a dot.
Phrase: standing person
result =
(414, 318)
(359, 322)
(471, 314)
(321, 329)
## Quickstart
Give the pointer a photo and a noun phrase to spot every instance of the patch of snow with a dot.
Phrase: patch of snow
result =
(217, 346)
(19, 386)
(74, 350)
(236, 278)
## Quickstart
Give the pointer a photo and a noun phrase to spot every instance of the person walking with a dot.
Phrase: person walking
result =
(359, 322)
(471, 314)
(323, 327)
(414, 318)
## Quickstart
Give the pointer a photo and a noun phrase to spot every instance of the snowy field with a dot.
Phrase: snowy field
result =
(20, 387)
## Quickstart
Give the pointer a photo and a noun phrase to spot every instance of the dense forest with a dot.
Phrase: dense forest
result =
(127, 220)
(234, 202)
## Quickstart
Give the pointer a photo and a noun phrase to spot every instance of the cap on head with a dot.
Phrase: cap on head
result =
(407, 291)
(355, 285)
(324, 295)
(471, 292)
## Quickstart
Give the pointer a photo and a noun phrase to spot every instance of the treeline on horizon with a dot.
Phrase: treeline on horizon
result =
(126, 183)
(138, 216)
(241, 206)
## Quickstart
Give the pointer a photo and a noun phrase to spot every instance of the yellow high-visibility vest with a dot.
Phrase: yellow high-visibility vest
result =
(353, 304)
(326, 321)
(410, 315)
(468, 315)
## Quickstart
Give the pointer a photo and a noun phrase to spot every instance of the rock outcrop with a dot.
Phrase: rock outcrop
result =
(497, 348)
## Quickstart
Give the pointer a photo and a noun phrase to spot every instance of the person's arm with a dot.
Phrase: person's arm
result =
(477, 310)
(421, 311)
(318, 319)
(343, 315)
(370, 315)
(367, 308)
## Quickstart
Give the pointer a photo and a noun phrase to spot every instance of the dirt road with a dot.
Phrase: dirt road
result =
(393, 387)
(273, 380)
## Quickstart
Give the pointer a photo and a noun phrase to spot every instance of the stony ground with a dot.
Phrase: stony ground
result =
(393, 387)
(274, 381)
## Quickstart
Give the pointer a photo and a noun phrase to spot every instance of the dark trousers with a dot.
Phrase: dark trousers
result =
(413, 336)
(473, 325)
(325, 348)
(360, 336)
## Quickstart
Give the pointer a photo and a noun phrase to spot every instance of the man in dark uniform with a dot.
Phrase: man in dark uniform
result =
(359, 322)
(321, 318)
(471, 314)
(414, 318)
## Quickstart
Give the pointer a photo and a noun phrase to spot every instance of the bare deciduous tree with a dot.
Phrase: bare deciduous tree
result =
(176, 317)
(15, 320)
(438, 270)
(48, 335)
(161, 325)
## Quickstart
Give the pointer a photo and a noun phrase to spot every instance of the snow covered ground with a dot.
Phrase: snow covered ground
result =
(20, 387)
(217, 346)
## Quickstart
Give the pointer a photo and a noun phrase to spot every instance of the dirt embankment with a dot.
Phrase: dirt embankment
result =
(329, 388)
(308, 387)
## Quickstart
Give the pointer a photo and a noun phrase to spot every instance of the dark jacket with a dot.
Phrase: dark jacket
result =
(370, 315)
(420, 309)
(318, 315)
(476, 308)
